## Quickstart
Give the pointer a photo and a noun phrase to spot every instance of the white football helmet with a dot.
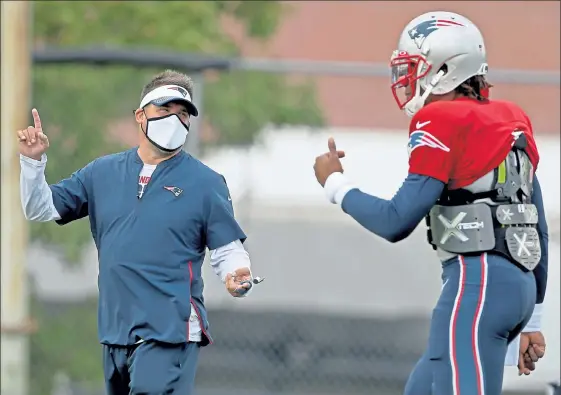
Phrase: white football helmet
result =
(437, 52)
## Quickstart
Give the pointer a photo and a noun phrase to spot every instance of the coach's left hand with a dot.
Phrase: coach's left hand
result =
(329, 162)
(234, 282)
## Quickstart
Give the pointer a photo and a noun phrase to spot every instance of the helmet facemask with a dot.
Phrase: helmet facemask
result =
(409, 86)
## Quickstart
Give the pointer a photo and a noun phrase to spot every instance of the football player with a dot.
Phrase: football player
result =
(472, 164)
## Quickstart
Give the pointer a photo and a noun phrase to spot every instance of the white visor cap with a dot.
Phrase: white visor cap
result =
(168, 93)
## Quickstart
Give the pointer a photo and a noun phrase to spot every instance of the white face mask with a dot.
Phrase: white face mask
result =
(166, 133)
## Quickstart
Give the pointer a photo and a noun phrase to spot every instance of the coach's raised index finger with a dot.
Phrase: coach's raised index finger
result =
(36, 119)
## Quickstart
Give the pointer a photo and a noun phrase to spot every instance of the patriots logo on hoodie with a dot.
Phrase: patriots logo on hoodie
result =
(175, 190)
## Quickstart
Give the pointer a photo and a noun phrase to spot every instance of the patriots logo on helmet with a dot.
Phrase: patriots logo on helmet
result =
(424, 29)
(421, 138)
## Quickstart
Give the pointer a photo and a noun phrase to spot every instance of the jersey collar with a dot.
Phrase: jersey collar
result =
(174, 159)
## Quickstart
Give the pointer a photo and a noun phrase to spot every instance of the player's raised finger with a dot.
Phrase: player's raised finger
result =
(331, 145)
(36, 119)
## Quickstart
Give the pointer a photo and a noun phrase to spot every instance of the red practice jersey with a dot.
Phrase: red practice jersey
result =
(459, 141)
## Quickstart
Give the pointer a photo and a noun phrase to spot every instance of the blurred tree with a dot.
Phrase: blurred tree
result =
(78, 104)
(66, 342)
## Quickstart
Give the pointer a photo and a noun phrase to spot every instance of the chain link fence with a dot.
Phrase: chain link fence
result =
(328, 320)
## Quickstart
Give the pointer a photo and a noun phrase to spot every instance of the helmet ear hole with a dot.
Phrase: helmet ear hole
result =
(443, 68)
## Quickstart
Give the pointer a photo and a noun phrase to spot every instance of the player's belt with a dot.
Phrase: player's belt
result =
(508, 229)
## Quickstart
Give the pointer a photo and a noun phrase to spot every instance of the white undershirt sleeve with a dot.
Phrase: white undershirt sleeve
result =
(229, 258)
(36, 196)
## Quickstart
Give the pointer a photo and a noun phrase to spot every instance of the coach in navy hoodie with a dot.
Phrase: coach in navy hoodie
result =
(153, 211)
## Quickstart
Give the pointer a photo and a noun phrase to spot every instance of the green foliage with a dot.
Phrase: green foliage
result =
(78, 103)
(66, 342)
(238, 120)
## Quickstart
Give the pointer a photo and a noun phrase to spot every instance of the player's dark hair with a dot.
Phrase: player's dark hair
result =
(168, 77)
(473, 87)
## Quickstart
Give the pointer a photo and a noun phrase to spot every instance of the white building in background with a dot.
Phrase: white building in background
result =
(296, 237)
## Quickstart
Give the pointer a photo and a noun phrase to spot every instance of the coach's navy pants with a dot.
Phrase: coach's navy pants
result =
(484, 304)
(150, 368)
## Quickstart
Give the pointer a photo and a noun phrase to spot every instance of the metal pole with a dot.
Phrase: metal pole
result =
(193, 144)
(15, 82)
(197, 62)
(366, 69)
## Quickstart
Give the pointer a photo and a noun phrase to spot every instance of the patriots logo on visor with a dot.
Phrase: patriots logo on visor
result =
(424, 29)
(421, 138)
(181, 90)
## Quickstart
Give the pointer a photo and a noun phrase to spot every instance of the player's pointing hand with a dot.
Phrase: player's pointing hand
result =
(329, 162)
(333, 148)
(32, 141)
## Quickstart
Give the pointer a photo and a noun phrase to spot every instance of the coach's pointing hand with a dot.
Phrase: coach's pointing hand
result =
(32, 141)
(329, 162)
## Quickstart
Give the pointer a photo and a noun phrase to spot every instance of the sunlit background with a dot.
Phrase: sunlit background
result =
(341, 312)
